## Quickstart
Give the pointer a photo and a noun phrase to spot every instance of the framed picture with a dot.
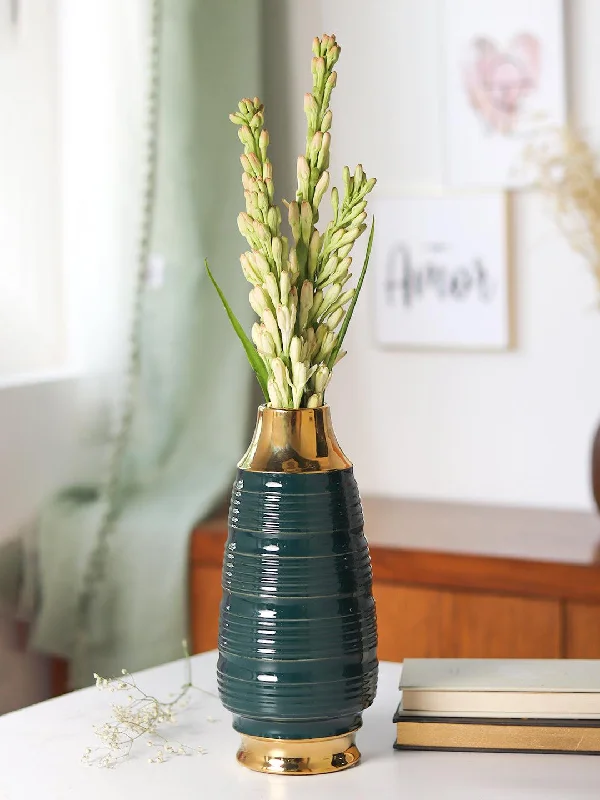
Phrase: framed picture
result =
(441, 271)
(503, 83)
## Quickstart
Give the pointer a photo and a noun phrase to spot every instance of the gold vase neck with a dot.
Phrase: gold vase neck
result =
(294, 440)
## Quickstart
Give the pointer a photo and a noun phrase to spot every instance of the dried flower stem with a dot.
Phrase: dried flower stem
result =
(140, 717)
(568, 173)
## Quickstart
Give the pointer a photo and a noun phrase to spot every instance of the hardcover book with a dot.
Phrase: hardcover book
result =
(533, 688)
(497, 734)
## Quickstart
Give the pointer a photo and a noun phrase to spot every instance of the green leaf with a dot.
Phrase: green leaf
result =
(348, 317)
(256, 362)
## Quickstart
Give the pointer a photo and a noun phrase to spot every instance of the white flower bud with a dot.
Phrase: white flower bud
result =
(315, 147)
(246, 138)
(270, 188)
(262, 203)
(333, 292)
(320, 189)
(258, 300)
(343, 251)
(267, 345)
(314, 401)
(255, 164)
(310, 343)
(347, 181)
(282, 381)
(261, 232)
(316, 306)
(274, 396)
(263, 143)
(358, 209)
(272, 288)
(277, 250)
(328, 269)
(342, 300)
(334, 319)
(299, 378)
(326, 123)
(286, 319)
(335, 201)
(246, 166)
(351, 235)
(321, 378)
(273, 220)
(244, 223)
(272, 327)
(284, 286)
(313, 253)
(358, 176)
(327, 345)
(306, 221)
(323, 159)
(248, 270)
(294, 266)
(339, 275)
(299, 374)
(260, 264)
(319, 68)
(295, 350)
(294, 220)
(303, 175)
(306, 302)
(358, 220)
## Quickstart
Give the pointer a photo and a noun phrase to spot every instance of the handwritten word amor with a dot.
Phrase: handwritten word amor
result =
(408, 278)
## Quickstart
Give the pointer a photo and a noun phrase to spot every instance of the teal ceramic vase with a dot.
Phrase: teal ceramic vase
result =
(297, 631)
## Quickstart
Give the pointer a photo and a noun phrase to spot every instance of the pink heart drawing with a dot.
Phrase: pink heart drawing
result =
(498, 81)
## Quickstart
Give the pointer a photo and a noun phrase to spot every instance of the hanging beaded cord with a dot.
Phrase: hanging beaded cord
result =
(96, 566)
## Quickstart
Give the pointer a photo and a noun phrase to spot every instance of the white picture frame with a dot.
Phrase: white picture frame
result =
(441, 272)
(503, 82)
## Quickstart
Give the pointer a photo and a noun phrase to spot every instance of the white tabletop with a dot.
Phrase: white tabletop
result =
(41, 747)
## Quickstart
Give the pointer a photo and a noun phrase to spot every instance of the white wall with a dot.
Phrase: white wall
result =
(37, 448)
(513, 428)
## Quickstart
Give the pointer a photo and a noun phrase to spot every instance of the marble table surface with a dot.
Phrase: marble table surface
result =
(41, 748)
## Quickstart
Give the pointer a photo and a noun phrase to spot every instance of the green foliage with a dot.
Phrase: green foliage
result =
(348, 317)
(256, 362)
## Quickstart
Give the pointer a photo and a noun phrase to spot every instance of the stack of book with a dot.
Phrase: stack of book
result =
(543, 706)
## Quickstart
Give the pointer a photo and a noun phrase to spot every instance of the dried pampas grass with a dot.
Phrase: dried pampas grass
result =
(567, 171)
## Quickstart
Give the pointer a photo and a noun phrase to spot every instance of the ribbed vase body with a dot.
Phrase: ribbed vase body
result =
(297, 633)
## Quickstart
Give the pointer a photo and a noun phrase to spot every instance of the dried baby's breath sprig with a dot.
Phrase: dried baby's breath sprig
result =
(140, 718)
(568, 173)
(299, 286)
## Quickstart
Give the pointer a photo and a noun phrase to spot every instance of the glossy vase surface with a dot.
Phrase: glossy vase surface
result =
(297, 631)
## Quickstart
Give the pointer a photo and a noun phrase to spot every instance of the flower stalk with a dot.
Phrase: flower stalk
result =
(299, 290)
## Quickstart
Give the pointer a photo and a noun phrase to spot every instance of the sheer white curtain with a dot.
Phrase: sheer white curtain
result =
(103, 78)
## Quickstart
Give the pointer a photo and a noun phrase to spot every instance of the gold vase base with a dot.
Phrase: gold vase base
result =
(299, 756)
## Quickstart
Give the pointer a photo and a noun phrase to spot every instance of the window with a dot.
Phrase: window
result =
(31, 316)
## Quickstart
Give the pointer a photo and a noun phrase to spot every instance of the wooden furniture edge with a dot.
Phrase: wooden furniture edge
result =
(439, 570)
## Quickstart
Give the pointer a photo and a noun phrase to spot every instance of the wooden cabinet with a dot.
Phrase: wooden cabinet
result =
(415, 622)
(456, 581)
(582, 627)
(205, 596)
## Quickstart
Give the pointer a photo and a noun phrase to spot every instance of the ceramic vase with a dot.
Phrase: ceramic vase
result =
(297, 630)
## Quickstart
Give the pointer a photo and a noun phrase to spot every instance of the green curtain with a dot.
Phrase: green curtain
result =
(191, 399)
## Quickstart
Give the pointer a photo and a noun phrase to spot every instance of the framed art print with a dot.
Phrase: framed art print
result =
(503, 83)
(441, 271)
